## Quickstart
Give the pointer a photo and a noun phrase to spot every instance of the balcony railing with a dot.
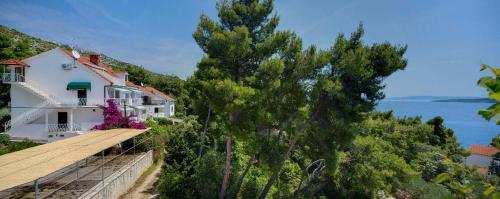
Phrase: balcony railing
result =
(64, 127)
(82, 101)
(10, 78)
(127, 101)
(154, 102)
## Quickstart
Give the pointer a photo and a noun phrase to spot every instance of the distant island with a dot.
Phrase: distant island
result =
(467, 100)
(459, 99)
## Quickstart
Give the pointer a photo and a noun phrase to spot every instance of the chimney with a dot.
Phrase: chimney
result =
(94, 58)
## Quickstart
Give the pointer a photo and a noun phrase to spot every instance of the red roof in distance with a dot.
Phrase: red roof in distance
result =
(483, 150)
(13, 62)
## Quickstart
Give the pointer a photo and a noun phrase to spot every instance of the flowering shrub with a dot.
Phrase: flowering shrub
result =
(113, 118)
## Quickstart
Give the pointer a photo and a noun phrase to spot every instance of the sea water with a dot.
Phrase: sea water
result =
(469, 127)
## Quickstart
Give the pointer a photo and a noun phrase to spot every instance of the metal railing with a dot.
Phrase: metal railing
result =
(82, 101)
(132, 150)
(9, 78)
(64, 127)
(127, 101)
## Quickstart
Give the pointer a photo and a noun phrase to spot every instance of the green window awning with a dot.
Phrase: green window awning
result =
(79, 86)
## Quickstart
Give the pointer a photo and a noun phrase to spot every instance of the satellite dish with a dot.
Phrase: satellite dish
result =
(75, 53)
(142, 84)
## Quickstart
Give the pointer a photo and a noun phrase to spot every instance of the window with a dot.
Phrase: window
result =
(157, 110)
(110, 93)
(117, 94)
(126, 78)
(171, 108)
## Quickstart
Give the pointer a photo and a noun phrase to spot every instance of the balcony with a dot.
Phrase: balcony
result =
(63, 127)
(80, 101)
(127, 101)
(12, 78)
(154, 102)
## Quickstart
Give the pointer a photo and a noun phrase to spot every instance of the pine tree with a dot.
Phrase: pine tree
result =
(235, 46)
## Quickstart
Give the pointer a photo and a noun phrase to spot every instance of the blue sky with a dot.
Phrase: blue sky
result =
(447, 39)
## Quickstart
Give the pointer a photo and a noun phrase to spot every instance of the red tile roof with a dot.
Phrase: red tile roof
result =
(483, 150)
(152, 91)
(86, 61)
(159, 93)
(482, 170)
(13, 62)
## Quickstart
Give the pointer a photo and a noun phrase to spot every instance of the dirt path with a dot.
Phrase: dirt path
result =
(144, 186)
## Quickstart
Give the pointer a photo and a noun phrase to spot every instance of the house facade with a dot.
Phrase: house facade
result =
(56, 95)
(481, 157)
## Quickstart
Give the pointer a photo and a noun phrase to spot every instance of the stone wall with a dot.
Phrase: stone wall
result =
(119, 182)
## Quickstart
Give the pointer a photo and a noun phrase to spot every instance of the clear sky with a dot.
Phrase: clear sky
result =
(447, 39)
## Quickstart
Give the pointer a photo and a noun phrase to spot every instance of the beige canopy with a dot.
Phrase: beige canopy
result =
(27, 165)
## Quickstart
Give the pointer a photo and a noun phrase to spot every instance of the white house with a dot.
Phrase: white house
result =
(56, 95)
(481, 157)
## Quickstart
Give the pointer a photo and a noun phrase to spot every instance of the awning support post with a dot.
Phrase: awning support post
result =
(77, 169)
(36, 189)
(46, 121)
(102, 167)
(71, 120)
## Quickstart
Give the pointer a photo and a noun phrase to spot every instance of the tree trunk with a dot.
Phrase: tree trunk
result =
(271, 180)
(227, 168)
(200, 150)
(242, 176)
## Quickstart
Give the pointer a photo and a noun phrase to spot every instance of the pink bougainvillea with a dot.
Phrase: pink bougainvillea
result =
(113, 118)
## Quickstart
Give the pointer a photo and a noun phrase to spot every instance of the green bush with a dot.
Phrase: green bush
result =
(16, 146)
(421, 189)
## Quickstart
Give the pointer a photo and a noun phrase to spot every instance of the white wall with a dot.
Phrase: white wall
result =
(479, 160)
(86, 117)
(47, 75)
(22, 98)
(120, 181)
(169, 108)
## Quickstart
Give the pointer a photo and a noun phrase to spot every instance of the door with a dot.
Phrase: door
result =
(62, 117)
(19, 74)
(82, 97)
(146, 100)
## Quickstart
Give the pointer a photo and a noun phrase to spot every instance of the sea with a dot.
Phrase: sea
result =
(469, 127)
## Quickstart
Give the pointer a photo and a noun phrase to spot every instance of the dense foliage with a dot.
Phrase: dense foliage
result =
(492, 86)
(295, 122)
(8, 146)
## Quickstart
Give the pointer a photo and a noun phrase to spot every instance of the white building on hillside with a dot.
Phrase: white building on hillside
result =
(56, 95)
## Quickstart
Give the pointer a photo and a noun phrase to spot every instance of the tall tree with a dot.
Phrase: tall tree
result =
(347, 88)
(284, 83)
(235, 46)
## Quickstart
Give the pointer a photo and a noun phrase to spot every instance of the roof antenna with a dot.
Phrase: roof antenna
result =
(76, 54)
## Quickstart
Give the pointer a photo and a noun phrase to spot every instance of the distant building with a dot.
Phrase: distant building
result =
(481, 156)
(55, 95)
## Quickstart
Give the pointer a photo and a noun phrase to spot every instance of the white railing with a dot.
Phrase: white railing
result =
(157, 114)
(10, 78)
(52, 99)
(64, 127)
(27, 116)
(35, 112)
(127, 101)
(154, 102)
